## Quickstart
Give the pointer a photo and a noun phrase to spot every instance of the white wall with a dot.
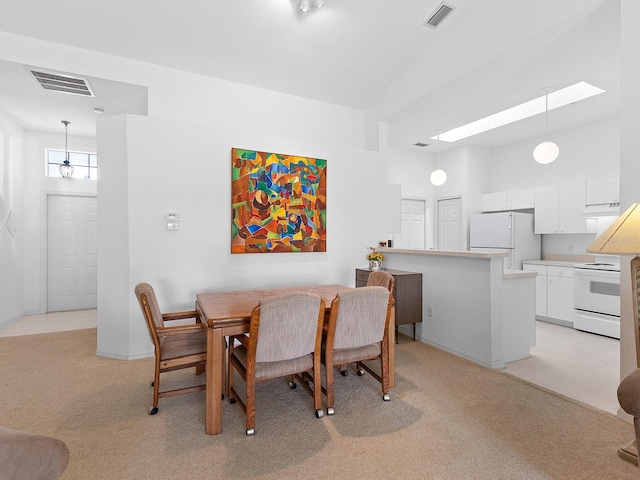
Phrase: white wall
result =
(591, 150)
(179, 159)
(12, 178)
(184, 167)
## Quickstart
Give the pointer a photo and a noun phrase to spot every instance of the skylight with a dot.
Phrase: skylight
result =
(559, 98)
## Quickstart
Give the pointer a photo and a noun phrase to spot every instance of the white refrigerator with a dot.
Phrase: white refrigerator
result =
(510, 232)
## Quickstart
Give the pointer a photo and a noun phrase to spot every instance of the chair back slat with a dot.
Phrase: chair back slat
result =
(149, 305)
(288, 326)
(361, 318)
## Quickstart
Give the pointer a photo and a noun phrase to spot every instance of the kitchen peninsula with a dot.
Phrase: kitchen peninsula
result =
(472, 307)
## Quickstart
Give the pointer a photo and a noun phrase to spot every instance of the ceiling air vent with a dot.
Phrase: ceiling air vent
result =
(63, 83)
(439, 14)
(420, 144)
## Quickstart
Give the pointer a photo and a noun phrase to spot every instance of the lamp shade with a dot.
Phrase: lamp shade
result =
(622, 237)
(546, 152)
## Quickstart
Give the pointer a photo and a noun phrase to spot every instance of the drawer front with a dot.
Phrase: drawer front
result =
(361, 277)
(554, 271)
(541, 269)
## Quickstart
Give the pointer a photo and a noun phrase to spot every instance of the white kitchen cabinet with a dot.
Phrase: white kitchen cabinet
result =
(494, 201)
(554, 293)
(559, 208)
(519, 199)
(600, 191)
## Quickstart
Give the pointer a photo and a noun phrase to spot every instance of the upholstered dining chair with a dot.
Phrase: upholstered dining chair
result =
(377, 278)
(285, 336)
(176, 347)
(357, 331)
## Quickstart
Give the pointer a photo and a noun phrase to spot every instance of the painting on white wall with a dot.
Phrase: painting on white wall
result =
(279, 203)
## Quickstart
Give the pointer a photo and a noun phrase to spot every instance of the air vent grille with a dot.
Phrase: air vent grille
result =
(438, 16)
(63, 83)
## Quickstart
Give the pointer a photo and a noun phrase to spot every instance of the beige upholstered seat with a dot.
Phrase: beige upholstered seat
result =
(357, 331)
(176, 347)
(284, 339)
(28, 456)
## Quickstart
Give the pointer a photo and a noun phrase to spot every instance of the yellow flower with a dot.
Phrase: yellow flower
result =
(375, 255)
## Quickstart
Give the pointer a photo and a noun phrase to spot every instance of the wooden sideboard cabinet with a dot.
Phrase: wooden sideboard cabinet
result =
(407, 293)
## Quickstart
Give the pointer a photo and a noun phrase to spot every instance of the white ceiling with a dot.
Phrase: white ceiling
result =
(373, 55)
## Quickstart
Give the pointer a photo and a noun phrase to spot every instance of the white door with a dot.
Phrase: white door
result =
(71, 253)
(450, 223)
(412, 221)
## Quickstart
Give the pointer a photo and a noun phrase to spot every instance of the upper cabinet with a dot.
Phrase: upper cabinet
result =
(603, 190)
(520, 199)
(559, 208)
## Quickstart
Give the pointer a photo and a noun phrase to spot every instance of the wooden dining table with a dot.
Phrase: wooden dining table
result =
(229, 313)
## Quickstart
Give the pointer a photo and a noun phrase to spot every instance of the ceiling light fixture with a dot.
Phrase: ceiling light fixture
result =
(559, 98)
(305, 5)
(66, 170)
(438, 176)
(546, 152)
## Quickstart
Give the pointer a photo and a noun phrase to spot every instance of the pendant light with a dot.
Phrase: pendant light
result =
(66, 170)
(305, 6)
(546, 152)
(438, 176)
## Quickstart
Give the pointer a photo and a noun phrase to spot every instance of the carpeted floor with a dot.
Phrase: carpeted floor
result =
(447, 419)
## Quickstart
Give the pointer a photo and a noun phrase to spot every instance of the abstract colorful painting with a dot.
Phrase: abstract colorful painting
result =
(278, 202)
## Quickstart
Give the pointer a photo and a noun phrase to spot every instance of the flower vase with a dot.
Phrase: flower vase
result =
(374, 264)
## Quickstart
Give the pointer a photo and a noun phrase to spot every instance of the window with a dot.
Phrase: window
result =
(85, 164)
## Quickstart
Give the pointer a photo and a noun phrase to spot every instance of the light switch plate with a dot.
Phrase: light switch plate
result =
(173, 226)
(172, 217)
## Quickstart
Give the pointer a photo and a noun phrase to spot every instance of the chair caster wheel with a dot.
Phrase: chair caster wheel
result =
(232, 400)
(360, 373)
(152, 383)
(153, 410)
(250, 432)
(319, 413)
(344, 373)
(386, 397)
(292, 385)
(330, 411)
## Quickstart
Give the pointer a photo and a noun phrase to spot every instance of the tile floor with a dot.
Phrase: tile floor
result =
(579, 365)
(52, 322)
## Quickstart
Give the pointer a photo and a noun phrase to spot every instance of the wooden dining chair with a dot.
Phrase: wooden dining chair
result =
(285, 336)
(378, 278)
(176, 347)
(357, 331)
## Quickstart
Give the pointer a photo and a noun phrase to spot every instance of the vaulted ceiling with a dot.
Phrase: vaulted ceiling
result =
(373, 55)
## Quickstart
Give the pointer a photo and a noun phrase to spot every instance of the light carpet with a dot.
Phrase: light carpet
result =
(447, 419)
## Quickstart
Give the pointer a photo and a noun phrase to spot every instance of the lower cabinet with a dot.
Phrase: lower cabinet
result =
(407, 293)
(554, 293)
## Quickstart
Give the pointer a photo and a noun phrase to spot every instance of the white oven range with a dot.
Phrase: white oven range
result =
(597, 297)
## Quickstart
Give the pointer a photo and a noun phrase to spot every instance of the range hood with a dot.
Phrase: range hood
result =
(602, 210)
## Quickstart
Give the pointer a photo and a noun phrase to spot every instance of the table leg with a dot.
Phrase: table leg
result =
(215, 375)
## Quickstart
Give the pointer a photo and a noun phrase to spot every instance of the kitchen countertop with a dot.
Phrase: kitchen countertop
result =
(512, 274)
(447, 253)
(554, 263)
